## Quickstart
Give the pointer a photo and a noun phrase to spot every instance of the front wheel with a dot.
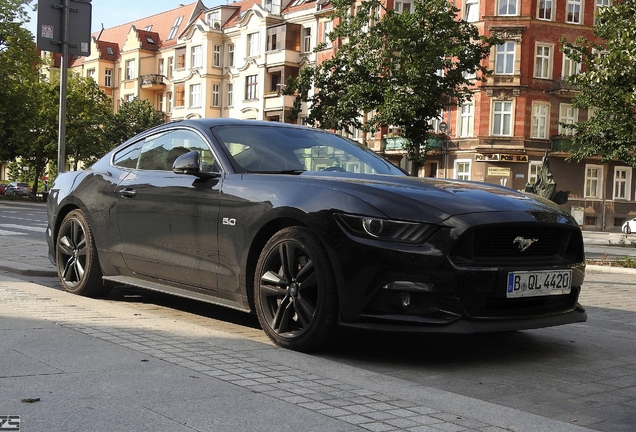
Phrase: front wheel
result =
(76, 257)
(295, 291)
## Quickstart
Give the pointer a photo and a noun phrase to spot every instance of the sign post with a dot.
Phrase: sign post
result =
(55, 34)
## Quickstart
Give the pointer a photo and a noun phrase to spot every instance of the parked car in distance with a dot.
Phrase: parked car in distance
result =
(629, 226)
(18, 189)
(311, 231)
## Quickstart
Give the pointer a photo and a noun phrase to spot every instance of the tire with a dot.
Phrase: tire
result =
(627, 229)
(295, 291)
(76, 257)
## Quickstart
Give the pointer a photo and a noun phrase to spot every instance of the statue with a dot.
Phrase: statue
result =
(545, 186)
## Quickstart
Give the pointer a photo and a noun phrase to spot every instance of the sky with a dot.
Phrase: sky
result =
(111, 13)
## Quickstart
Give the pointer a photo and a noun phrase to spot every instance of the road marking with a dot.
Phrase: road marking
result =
(11, 233)
(25, 227)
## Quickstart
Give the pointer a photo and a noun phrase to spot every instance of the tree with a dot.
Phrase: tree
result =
(133, 117)
(399, 69)
(89, 111)
(19, 71)
(607, 86)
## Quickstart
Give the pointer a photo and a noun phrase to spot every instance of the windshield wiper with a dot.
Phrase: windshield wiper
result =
(292, 172)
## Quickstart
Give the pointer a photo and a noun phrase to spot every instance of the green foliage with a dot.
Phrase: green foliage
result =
(389, 68)
(133, 117)
(608, 85)
(18, 73)
(628, 261)
(88, 110)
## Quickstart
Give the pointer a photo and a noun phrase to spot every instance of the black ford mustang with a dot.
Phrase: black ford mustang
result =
(311, 231)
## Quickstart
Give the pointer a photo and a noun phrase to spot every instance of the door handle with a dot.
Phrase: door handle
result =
(127, 193)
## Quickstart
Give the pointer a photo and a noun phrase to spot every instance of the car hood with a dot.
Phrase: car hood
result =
(433, 200)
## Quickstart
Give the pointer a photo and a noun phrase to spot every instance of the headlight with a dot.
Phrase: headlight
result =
(386, 229)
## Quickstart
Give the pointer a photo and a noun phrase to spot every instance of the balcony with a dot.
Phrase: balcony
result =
(397, 143)
(562, 143)
(152, 81)
(562, 87)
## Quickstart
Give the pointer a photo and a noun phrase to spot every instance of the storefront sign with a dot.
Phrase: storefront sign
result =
(500, 172)
(486, 157)
(513, 158)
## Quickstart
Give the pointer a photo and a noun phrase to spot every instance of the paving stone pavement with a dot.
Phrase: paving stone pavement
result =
(333, 397)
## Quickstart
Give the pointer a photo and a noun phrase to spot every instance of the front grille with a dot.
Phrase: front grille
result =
(499, 244)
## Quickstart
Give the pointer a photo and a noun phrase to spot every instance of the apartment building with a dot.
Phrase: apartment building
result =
(233, 60)
(501, 136)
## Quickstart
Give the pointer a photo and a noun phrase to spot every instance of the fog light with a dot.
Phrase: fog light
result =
(406, 300)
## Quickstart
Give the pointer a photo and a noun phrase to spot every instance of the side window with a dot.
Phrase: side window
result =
(158, 152)
(128, 157)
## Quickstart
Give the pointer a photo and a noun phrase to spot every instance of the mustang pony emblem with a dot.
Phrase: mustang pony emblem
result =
(524, 243)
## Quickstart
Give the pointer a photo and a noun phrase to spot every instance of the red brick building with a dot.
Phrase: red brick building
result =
(501, 136)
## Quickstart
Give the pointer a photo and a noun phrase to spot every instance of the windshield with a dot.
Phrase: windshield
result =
(274, 149)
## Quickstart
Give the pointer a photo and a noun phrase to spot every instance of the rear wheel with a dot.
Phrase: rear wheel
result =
(295, 291)
(76, 257)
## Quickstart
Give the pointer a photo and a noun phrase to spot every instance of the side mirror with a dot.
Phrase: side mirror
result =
(190, 163)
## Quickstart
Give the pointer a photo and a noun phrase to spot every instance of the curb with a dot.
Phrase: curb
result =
(29, 272)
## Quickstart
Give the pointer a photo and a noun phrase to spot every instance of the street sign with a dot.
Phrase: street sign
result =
(50, 26)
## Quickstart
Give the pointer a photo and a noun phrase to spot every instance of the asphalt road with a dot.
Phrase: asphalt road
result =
(582, 374)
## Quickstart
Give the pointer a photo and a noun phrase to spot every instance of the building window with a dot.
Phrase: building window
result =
(91, 73)
(131, 70)
(507, 7)
(195, 95)
(462, 169)
(403, 6)
(570, 67)
(275, 38)
(573, 13)
(533, 171)
(540, 118)
(593, 181)
(170, 66)
(108, 78)
(502, 118)
(467, 120)
(251, 87)
(217, 56)
(180, 53)
(505, 58)
(471, 12)
(622, 183)
(230, 95)
(327, 28)
(215, 95)
(545, 10)
(542, 61)
(230, 55)
(568, 115)
(160, 102)
(169, 102)
(175, 28)
(160, 66)
(253, 42)
(214, 20)
(129, 97)
(197, 57)
(307, 39)
(179, 95)
(600, 4)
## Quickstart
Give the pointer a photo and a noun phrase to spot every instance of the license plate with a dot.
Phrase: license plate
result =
(538, 283)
